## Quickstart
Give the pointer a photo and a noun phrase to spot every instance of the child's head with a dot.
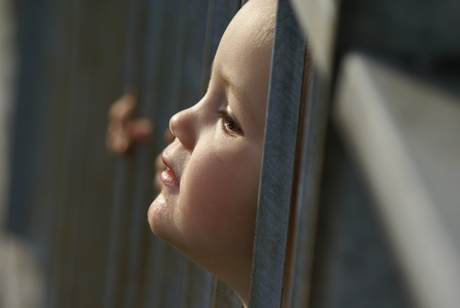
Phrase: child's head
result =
(207, 205)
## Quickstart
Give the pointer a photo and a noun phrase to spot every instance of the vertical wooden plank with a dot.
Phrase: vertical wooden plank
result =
(308, 190)
(122, 189)
(223, 296)
(139, 231)
(154, 286)
(74, 177)
(353, 265)
(89, 188)
(164, 45)
(193, 48)
(220, 13)
(59, 282)
(27, 216)
(278, 161)
(347, 229)
(318, 19)
(416, 32)
(199, 287)
(26, 130)
(26, 117)
(47, 196)
(410, 132)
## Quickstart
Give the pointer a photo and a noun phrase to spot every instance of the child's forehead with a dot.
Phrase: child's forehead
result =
(242, 62)
(244, 42)
(254, 23)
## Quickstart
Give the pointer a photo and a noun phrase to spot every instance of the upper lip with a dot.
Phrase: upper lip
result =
(168, 164)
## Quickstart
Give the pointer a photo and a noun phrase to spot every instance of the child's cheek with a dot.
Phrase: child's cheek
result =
(219, 197)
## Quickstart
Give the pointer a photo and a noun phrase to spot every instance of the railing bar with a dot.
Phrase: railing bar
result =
(224, 11)
(66, 224)
(52, 271)
(199, 287)
(195, 45)
(154, 287)
(122, 174)
(348, 231)
(49, 218)
(117, 227)
(223, 296)
(85, 275)
(399, 113)
(278, 161)
(173, 54)
(144, 162)
(318, 19)
(173, 279)
(179, 57)
(315, 124)
(131, 65)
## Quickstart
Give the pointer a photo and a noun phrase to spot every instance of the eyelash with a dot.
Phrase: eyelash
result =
(229, 125)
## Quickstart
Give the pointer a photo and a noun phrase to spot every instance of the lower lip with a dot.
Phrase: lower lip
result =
(168, 178)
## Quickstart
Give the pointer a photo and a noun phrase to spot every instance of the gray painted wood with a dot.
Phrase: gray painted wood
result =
(278, 161)
(411, 131)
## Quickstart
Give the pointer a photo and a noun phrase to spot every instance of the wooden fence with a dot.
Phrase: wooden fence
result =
(366, 173)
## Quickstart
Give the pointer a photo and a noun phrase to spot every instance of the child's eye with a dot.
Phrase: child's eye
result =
(229, 125)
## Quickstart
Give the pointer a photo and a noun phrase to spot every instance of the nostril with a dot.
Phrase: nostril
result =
(168, 135)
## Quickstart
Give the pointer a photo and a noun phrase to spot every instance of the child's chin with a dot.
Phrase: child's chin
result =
(156, 216)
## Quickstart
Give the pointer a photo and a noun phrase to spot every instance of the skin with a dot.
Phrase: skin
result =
(122, 130)
(208, 200)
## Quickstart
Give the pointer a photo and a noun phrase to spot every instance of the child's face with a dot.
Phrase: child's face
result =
(208, 200)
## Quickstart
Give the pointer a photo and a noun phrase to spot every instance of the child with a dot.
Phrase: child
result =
(207, 205)
(209, 189)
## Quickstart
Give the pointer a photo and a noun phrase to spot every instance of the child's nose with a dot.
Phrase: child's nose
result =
(182, 126)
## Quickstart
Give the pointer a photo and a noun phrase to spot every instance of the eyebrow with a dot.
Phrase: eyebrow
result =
(234, 88)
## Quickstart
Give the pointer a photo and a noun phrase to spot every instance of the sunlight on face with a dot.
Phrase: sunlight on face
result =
(208, 201)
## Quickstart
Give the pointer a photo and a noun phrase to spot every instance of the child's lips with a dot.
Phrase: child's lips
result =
(168, 177)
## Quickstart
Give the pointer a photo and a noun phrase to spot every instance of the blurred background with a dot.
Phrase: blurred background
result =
(73, 227)
(21, 282)
(55, 92)
(63, 63)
